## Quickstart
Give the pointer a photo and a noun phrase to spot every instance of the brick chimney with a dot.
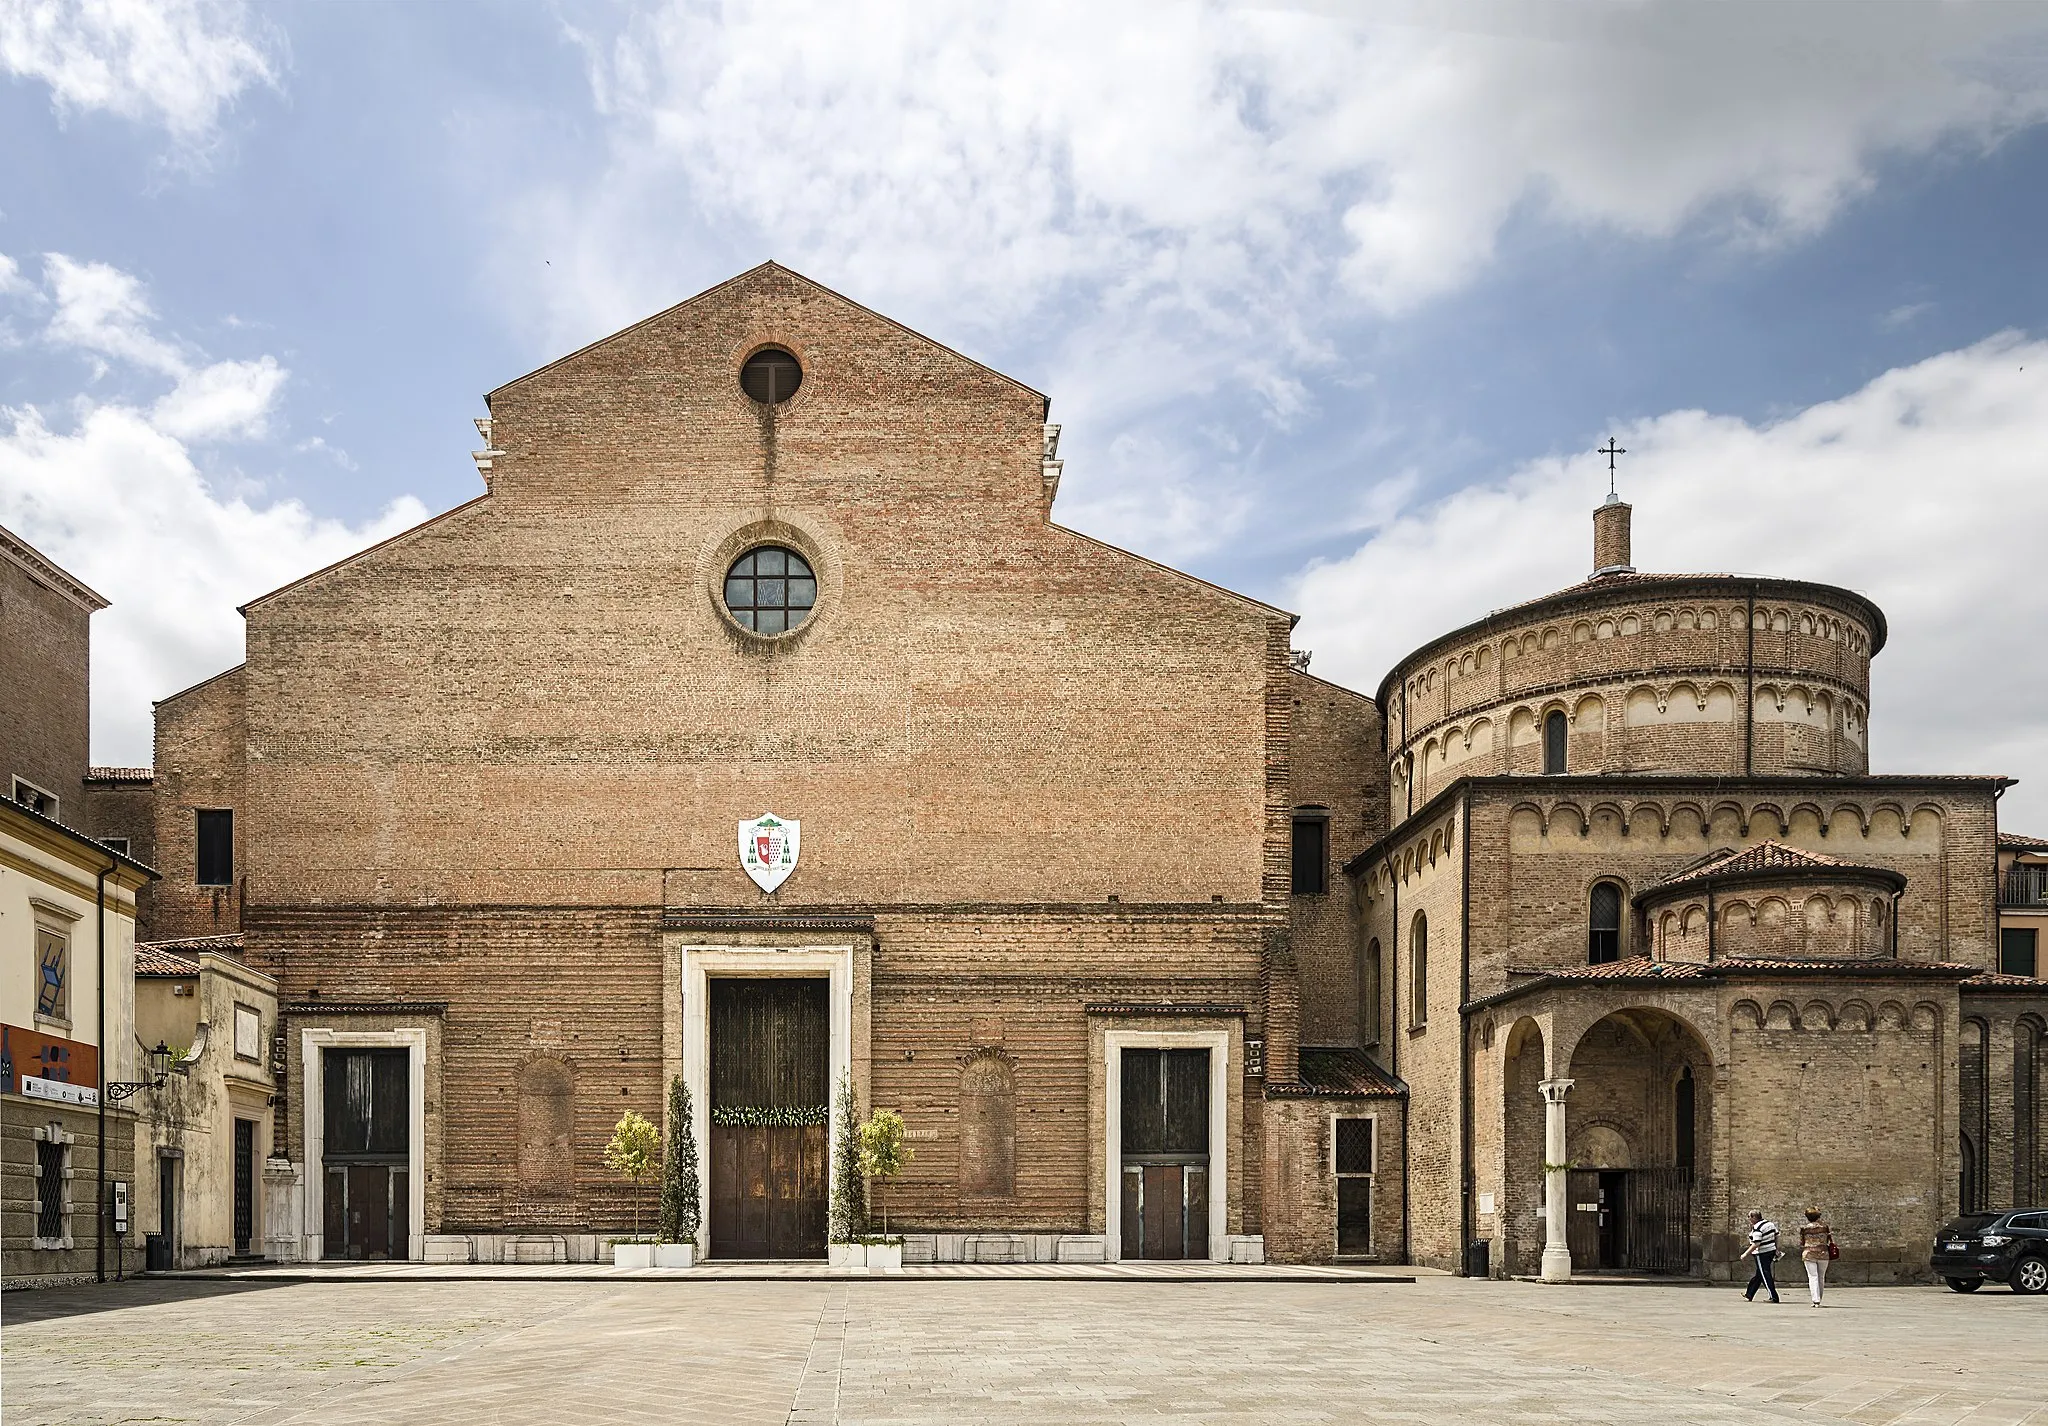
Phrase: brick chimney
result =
(1610, 537)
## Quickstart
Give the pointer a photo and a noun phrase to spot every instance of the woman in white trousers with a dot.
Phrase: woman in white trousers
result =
(1816, 1249)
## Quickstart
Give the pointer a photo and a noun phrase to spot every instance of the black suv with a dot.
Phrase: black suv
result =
(2009, 1247)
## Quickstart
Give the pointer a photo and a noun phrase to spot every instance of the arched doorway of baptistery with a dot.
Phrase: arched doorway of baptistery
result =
(1639, 1110)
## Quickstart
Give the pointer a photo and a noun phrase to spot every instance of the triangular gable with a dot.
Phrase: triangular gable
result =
(750, 276)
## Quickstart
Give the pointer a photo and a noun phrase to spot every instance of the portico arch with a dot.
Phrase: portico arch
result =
(1641, 1103)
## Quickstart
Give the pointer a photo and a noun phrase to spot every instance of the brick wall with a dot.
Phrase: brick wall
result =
(44, 639)
(201, 736)
(1301, 1221)
(535, 698)
(1647, 685)
(1334, 766)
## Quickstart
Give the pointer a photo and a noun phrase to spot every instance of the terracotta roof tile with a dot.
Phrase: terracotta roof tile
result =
(2018, 842)
(1764, 857)
(174, 957)
(120, 774)
(154, 960)
(1999, 980)
(1338, 1073)
(1632, 968)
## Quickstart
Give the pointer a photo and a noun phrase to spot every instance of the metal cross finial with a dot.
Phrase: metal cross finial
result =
(1611, 450)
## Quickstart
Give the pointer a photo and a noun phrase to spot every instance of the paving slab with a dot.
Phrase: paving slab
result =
(259, 1351)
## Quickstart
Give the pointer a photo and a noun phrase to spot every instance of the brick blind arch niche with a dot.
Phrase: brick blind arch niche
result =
(988, 1126)
(547, 1128)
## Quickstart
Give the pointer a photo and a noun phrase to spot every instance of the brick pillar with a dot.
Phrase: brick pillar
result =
(1610, 536)
(1283, 1013)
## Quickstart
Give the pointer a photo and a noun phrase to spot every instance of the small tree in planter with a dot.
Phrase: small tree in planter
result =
(681, 1212)
(634, 1153)
(883, 1155)
(849, 1187)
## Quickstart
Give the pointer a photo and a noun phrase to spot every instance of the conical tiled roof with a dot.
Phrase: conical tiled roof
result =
(1763, 859)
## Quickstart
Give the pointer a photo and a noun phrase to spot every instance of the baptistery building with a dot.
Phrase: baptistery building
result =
(758, 727)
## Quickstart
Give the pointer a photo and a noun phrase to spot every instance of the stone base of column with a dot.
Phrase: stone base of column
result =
(1557, 1264)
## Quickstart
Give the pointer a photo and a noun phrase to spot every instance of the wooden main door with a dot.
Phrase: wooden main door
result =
(1165, 1170)
(366, 1134)
(770, 1085)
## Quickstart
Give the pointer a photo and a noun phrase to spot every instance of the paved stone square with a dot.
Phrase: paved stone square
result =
(1011, 1351)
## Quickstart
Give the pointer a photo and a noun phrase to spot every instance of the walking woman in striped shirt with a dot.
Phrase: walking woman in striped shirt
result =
(1763, 1246)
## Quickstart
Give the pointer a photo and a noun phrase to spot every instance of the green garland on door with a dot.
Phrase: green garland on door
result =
(757, 1116)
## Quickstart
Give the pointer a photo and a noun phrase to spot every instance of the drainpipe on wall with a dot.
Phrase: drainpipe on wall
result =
(99, 1245)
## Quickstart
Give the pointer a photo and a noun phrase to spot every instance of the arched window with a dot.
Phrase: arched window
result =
(1418, 972)
(1603, 924)
(1555, 726)
(1369, 995)
(1685, 1118)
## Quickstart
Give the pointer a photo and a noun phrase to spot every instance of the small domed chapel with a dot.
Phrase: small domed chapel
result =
(758, 727)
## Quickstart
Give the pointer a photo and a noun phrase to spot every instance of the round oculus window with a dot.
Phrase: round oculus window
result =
(771, 376)
(770, 590)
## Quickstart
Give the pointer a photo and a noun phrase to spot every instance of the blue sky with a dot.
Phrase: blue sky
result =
(1332, 302)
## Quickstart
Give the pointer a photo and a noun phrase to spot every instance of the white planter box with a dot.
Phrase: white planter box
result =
(846, 1255)
(886, 1258)
(675, 1255)
(632, 1255)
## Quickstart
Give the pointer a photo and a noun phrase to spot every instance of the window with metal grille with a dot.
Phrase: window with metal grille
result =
(1603, 924)
(49, 1189)
(2018, 950)
(771, 376)
(1311, 855)
(1351, 1150)
(1418, 973)
(770, 590)
(1555, 728)
(216, 852)
(53, 973)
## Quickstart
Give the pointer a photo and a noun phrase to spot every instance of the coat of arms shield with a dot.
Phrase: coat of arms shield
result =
(768, 849)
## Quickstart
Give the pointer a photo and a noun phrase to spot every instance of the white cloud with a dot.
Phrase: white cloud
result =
(228, 398)
(1202, 193)
(176, 63)
(104, 310)
(119, 496)
(1923, 490)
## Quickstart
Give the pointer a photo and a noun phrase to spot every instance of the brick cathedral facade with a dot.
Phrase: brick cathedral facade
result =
(1066, 815)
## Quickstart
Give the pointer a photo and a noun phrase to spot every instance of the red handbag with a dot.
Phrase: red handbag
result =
(1833, 1251)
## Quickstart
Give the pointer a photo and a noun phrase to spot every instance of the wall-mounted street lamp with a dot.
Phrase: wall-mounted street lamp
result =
(163, 1063)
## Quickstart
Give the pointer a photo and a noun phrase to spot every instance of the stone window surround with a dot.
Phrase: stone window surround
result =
(687, 1027)
(414, 1041)
(60, 920)
(54, 1132)
(1217, 1043)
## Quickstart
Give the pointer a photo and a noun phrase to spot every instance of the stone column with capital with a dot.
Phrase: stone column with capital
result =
(1557, 1253)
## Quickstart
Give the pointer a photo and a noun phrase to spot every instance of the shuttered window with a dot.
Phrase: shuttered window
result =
(216, 855)
(1311, 855)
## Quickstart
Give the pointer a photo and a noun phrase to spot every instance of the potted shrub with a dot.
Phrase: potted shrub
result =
(883, 1155)
(849, 1218)
(633, 1153)
(681, 1212)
